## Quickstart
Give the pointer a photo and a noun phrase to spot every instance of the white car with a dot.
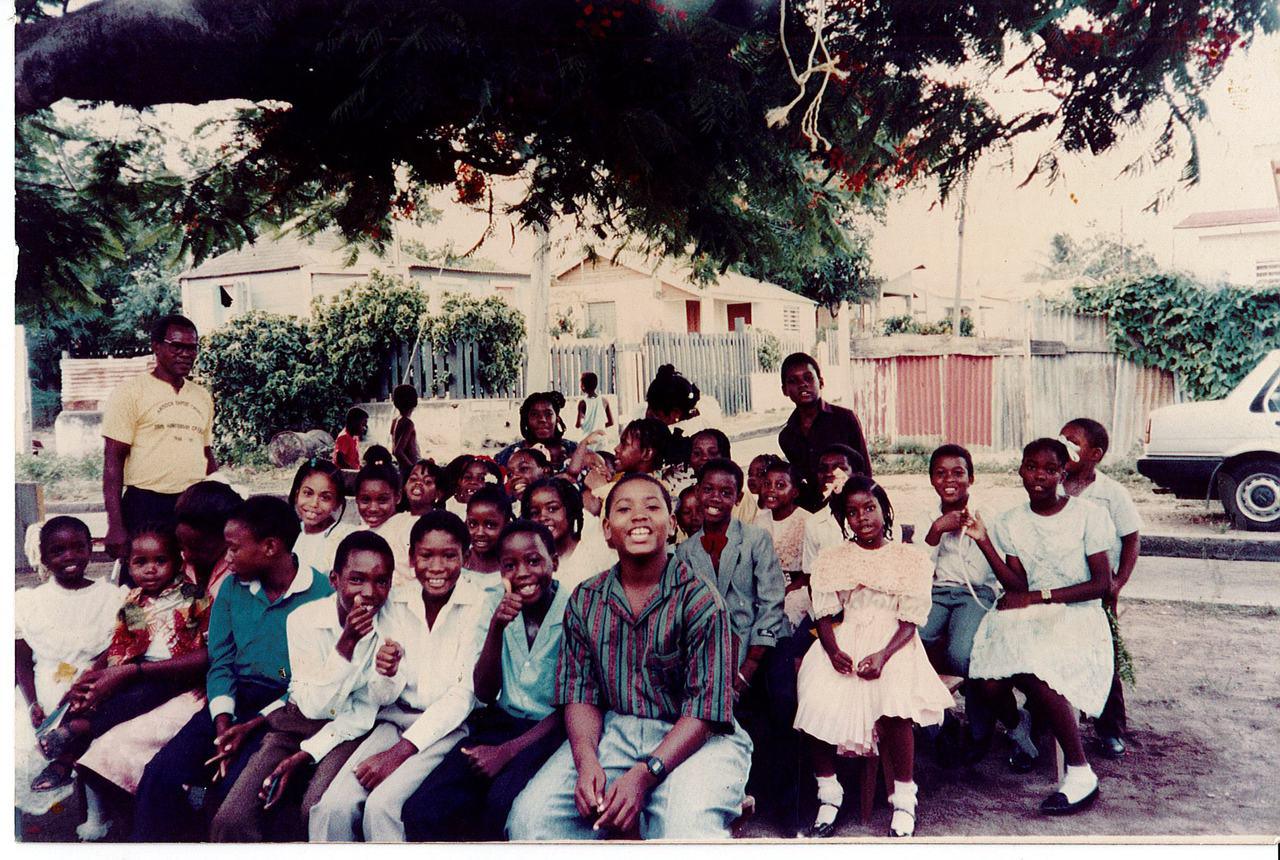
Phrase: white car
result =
(1228, 447)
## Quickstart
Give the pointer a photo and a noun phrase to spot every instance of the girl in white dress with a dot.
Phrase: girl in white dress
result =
(557, 504)
(784, 520)
(320, 503)
(1050, 636)
(871, 679)
(61, 628)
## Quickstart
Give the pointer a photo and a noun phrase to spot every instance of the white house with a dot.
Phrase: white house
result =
(624, 299)
(283, 274)
(1239, 246)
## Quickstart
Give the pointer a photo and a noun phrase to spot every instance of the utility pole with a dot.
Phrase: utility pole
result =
(955, 310)
(537, 373)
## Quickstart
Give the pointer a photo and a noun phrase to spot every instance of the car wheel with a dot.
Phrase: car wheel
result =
(1250, 493)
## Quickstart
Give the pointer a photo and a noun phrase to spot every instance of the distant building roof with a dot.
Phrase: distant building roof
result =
(502, 273)
(325, 251)
(730, 286)
(1229, 218)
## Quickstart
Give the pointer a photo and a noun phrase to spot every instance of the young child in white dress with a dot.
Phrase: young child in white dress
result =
(1050, 637)
(377, 494)
(61, 627)
(871, 679)
(784, 520)
(319, 502)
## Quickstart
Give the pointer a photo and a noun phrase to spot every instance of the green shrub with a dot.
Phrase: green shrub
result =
(768, 351)
(496, 327)
(901, 324)
(356, 329)
(267, 374)
(52, 468)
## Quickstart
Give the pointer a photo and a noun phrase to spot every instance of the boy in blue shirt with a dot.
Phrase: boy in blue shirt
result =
(248, 667)
(469, 796)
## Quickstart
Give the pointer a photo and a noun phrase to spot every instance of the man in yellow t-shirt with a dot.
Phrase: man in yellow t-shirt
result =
(157, 431)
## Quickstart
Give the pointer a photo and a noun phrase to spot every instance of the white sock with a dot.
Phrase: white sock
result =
(830, 795)
(903, 801)
(1078, 782)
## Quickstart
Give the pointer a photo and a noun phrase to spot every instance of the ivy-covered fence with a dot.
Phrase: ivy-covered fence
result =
(1209, 338)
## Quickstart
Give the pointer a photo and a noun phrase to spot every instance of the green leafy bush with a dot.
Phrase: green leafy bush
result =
(49, 468)
(1208, 338)
(907, 324)
(267, 374)
(768, 351)
(354, 331)
(496, 327)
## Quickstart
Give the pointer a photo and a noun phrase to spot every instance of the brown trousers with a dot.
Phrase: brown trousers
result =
(241, 818)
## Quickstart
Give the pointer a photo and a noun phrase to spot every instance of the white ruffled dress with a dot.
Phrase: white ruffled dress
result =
(1066, 645)
(877, 589)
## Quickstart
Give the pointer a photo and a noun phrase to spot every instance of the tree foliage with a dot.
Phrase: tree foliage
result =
(1098, 257)
(353, 330)
(636, 118)
(496, 327)
(1208, 338)
(828, 276)
(267, 373)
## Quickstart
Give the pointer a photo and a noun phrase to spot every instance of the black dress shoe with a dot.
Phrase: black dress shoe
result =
(1112, 747)
(822, 831)
(1057, 803)
(1021, 762)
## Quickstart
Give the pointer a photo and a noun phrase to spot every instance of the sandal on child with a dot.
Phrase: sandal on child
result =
(53, 742)
(823, 829)
(55, 775)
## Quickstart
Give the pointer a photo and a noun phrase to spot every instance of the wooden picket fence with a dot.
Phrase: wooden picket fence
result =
(452, 373)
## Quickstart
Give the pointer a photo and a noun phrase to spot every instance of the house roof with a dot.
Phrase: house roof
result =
(731, 286)
(325, 251)
(501, 273)
(1229, 218)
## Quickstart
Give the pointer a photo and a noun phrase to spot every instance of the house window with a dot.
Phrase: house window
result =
(791, 318)
(1267, 273)
(603, 318)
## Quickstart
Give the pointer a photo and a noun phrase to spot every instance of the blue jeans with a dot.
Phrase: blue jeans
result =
(698, 800)
(955, 617)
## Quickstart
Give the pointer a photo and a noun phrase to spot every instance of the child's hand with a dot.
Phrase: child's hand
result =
(975, 528)
(371, 772)
(1014, 600)
(508, 608)
(359, 622)
(595, 478)
(387, 660)
(841, 662)
(37, 714)
(951, 521)
(273, 787)
(228, 744)
(486, 760)
(870, 666)
(97, 685)
(588, 792)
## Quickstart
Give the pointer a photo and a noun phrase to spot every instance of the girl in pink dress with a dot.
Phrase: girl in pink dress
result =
(861, 691)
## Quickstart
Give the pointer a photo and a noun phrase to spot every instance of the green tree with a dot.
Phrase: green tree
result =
(1098, 257)
(694, 126)
(496, 327)
(266, 373)
(356, 329)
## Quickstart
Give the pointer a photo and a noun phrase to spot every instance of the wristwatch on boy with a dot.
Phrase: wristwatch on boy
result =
(1046, 596)
(657, 767)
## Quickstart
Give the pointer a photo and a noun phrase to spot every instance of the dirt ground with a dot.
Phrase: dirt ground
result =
(1203, 758)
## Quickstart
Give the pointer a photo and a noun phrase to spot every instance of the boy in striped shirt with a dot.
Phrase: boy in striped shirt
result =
(645, 678)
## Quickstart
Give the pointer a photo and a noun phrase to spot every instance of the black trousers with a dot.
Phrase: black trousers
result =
(163, 812)
(456, 804)
(767, 711)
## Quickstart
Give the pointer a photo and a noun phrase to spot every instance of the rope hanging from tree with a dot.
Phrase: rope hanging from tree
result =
(777, 117)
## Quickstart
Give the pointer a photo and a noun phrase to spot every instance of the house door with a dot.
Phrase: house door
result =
(739, 316)
(693, 316)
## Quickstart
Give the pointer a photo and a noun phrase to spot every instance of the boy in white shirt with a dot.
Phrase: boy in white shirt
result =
(1087, 442)
(343, 669)
(442, 626)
